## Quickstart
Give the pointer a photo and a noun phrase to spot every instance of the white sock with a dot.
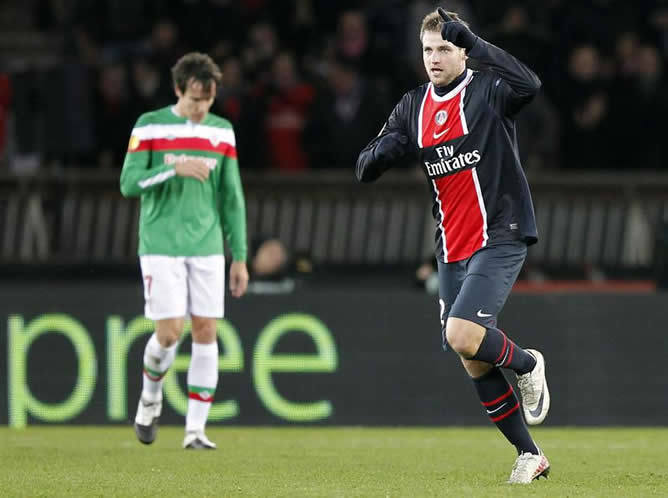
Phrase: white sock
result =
(157, 361)
(202, 381)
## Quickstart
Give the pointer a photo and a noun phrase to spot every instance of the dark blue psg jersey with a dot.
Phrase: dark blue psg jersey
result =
(466, 143)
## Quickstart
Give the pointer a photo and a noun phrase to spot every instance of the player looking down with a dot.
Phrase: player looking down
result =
(182, 163)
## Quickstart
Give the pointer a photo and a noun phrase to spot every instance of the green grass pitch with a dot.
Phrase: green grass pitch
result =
(314, 462)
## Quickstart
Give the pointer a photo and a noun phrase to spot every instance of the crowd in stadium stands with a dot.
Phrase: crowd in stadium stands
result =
(308, 82)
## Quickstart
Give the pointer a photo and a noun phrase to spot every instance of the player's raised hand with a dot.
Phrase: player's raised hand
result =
(456, 32)
(193, 169)
(238, 278)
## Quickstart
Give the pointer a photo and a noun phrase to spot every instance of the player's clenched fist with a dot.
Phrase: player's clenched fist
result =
(456, 32)
(193, 169)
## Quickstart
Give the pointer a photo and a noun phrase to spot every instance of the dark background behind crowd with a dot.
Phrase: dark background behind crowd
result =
(308, 82)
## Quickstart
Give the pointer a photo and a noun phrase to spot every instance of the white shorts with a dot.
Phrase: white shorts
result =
(177, 286)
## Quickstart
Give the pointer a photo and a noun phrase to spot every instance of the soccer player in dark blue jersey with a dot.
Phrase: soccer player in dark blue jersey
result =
(461, 127)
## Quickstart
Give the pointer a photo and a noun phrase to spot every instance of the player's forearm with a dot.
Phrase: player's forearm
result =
(381, 154)
(234, 227)
(524, 82)
(234, 211)
(136, 180)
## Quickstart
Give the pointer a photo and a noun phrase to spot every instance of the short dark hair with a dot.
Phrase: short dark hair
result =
(197, 66)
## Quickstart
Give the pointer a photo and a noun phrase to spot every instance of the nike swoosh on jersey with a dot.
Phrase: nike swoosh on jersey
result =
(439, 135)
(483, 315)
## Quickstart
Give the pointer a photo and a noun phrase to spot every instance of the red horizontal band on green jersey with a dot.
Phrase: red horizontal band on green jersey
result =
(190, 143)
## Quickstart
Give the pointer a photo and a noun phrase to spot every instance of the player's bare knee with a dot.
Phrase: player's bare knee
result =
(203, 329)
(168, 338)
(169, 331)
(463, 336)
(475, 369)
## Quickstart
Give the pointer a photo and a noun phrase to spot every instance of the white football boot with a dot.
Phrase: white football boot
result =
(533, 388)
(197, 440)
(146, 420)
(529, 467)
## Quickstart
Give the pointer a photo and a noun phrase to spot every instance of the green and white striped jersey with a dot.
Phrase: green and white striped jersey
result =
(182, 216)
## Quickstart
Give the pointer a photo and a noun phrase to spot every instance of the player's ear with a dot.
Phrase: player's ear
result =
(178, 92)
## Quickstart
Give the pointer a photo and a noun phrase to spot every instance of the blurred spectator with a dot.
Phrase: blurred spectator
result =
(148, 88)
(626, 48)
(345, 115)
(53, 14)
(355, 44)
(106, 29)
(202, 22)
(28, 112)
(288, 106)
(523, 38)
(115, 115)
(164, 47)
(245, 111)
(269, 258)
(229, 101)
(352, 40)
(538, 134)
(257, 56)
(585, 111)
(67, 98)
(658, 19)
(640, 104)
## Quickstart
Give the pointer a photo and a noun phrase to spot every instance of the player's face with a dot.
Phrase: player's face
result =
(195, 103)
(442, 60)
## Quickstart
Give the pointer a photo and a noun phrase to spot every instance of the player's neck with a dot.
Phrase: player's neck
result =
(176, 111)
(442, 90)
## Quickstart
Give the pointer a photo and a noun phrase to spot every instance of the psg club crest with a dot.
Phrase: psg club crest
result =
(441, 117)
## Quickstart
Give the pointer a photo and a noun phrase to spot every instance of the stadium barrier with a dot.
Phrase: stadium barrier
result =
(358, 352)
(584, 219)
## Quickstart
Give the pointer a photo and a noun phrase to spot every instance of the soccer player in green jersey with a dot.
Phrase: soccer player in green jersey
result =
(182, 163)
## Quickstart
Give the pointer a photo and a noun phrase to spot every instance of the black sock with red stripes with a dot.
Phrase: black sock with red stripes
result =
(501, 352)
(503, 409)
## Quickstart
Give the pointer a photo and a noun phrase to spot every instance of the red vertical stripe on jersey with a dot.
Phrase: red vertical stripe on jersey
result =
(462, 219)
(434, 133)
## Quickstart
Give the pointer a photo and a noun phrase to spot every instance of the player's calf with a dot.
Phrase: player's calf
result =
(496, 348)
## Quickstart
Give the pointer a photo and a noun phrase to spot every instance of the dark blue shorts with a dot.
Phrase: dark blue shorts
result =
(476, 289)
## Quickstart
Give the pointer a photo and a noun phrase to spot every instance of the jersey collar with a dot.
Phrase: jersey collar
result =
(466, 77)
